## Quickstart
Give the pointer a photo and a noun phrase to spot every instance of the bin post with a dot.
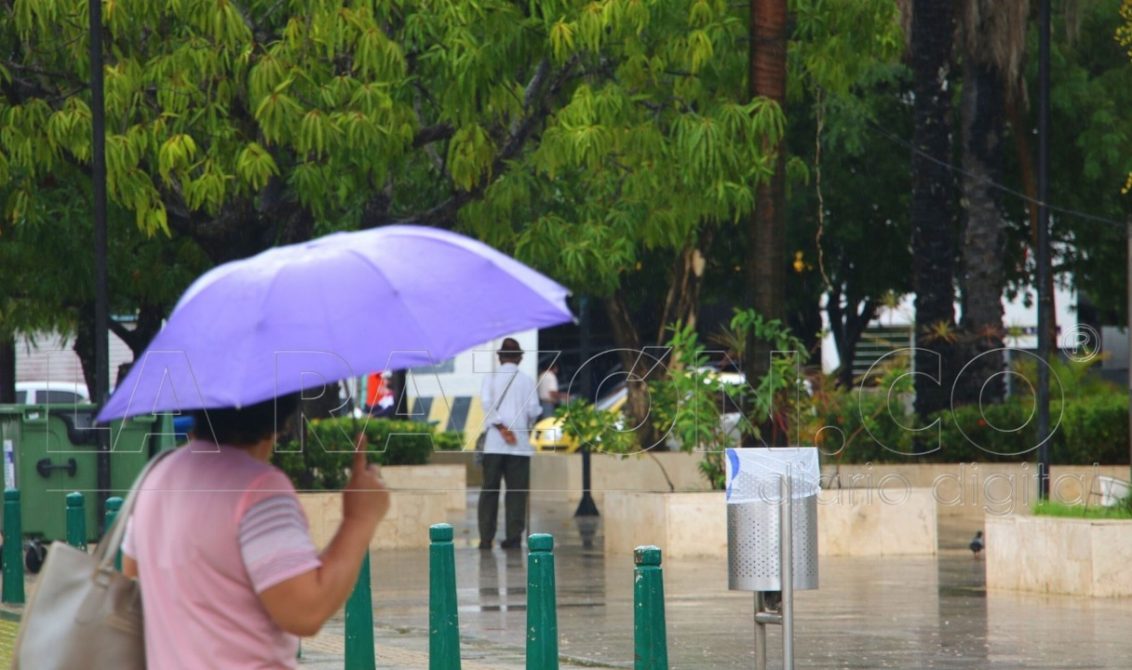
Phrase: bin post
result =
(649, 637)
(443, 621)
(113, 504)
(13, 543)
(542, 615)
(359, 623)
(786, 561)
(76, 520)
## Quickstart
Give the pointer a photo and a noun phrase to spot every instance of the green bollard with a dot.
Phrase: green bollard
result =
(649, 638)
(359, 623)
(443, 622)
(542, 613)
(113, 504)
(13, 557)
(76, 521)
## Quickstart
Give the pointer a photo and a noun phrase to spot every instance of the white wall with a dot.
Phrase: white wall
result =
(49, 356)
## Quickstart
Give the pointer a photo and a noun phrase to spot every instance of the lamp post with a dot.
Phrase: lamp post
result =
(586, 506)
(101, 298)
(1043, 260)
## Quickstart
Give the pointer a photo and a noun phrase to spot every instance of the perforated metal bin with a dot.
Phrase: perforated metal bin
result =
(754, 506)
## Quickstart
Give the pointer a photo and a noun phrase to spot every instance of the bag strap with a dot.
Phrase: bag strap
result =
(103, 553)
(495, 407)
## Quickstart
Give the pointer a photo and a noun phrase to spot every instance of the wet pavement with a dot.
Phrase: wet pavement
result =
(921, 612)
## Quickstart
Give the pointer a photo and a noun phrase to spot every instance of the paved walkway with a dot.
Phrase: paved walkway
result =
(922, 612)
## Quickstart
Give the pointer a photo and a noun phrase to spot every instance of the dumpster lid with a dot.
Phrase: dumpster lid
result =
(754, 475)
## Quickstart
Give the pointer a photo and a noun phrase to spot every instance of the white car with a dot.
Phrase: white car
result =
(51, 393)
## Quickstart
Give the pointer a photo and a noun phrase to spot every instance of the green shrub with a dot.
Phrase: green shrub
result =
(1093, 428)
(330, 442)
(448, 440)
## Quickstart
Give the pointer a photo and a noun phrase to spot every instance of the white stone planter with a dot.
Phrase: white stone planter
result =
(560, 475)
(1083, 557)
(972, 490)
(681, 524)
(860, 522)
(448, 479)
(405, 526)
(877, 522)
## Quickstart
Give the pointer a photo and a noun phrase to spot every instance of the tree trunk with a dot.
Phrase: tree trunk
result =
(637, 367)
(984, 239)
(7, 369)
(766, 234)
(682, 303)
(84, 343)
(848, 324)
(933, 243)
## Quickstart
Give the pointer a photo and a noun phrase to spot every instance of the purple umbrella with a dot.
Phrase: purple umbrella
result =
(340, 306)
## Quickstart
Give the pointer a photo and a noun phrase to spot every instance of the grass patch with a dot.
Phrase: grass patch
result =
(1051, 508)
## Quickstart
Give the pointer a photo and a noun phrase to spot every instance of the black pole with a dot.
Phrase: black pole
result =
(586, 506)
(101, 299)
(1043, 260)
(1128, 329)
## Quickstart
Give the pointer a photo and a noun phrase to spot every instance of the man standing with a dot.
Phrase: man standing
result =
(510, 405)
(549, 397)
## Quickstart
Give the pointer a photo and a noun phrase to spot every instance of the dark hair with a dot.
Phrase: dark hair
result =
(247, 425)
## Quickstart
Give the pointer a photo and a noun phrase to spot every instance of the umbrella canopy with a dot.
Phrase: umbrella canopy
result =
(340, 306)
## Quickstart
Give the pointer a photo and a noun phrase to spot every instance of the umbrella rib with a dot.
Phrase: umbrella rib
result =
(415, 320)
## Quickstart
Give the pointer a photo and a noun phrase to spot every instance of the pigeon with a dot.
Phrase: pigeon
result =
(977, 543)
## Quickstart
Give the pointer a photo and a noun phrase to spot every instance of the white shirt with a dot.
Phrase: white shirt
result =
(516, 410)
(547, 387)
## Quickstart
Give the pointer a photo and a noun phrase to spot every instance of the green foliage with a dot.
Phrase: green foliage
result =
(449, 440)
(1088, 428)
(780, 396)
(688, 403)
(1093, 429)
(1092, 148)
(599, 430)
(323, 463)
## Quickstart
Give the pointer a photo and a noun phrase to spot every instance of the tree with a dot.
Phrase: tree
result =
(847, 84)
(993, 38)
(766, 230)
(565, 132)
(932, 207)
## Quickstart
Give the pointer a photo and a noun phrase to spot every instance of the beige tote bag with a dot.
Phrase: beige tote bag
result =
(83, 613)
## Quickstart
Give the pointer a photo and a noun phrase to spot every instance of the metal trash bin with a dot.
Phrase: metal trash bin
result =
(754, 500)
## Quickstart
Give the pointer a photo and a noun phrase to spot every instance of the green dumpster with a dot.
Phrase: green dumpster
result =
(56, 452)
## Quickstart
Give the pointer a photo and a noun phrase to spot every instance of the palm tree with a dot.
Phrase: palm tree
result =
(766, 229)
(993, 37)
(932, 209)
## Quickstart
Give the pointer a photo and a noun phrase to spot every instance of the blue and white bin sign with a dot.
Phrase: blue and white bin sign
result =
(754, 502)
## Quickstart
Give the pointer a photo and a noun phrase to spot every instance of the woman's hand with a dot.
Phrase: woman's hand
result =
(365, 497)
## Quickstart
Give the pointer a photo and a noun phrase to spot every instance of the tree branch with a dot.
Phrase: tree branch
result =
(537, 96)
(436, 133)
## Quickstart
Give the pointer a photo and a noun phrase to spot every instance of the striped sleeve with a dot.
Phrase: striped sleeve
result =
(274, 542)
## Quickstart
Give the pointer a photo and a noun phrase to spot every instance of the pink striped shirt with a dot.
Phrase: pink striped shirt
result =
(212, 529)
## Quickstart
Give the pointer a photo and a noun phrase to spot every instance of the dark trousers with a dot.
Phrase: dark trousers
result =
(516, 472)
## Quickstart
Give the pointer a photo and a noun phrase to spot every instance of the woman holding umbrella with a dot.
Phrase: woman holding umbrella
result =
(220, 546)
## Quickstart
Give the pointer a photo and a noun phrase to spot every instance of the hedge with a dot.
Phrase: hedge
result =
(1092, 429)
(329, 444)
